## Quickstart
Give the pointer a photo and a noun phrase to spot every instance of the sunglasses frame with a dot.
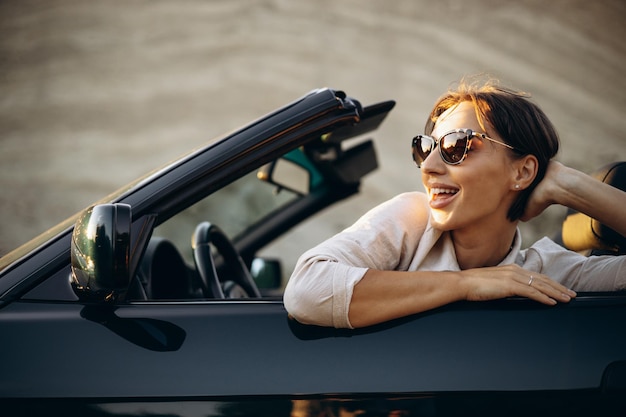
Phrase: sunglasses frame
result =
(469, 135)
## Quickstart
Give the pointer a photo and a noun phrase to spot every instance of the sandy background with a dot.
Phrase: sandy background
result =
(94, 94)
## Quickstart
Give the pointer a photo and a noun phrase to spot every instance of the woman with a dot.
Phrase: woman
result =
(486, 164)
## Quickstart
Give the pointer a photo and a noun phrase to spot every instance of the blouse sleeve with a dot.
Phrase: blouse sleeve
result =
(320, 288)
(576, 271)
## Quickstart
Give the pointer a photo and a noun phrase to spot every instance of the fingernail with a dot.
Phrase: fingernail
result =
(572, 293)
(566, 297)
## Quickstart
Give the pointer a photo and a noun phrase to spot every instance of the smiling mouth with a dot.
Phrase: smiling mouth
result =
(442, 192)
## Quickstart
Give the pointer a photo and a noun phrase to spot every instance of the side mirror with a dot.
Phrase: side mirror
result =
(100, 252)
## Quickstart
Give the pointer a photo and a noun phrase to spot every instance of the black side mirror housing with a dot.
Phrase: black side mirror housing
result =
(100, 252)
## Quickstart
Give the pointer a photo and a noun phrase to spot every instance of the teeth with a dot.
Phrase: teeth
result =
(443, 191)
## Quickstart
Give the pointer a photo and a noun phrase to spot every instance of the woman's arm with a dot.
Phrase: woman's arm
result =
(385, 295)
(327, 289)
(583, 193)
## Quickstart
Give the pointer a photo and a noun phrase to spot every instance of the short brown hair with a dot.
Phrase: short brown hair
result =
(518, 121)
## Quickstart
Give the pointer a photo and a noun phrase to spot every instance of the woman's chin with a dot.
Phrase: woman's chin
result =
(440, 221)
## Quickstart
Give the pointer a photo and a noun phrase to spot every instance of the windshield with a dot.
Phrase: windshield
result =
(233, 208)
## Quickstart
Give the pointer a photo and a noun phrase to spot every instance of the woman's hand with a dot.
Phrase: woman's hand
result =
(497, 282)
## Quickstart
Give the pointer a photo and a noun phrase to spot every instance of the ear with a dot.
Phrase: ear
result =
(524, 172)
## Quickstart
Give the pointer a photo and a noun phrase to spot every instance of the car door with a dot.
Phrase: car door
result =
(214, 356)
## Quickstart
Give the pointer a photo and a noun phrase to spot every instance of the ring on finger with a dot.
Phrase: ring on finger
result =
(530, 281)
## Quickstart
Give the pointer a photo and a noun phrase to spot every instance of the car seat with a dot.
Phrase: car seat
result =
(162, 272)
(581, 233)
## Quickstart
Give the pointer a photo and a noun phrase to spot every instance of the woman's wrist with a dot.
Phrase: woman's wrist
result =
(563, 180)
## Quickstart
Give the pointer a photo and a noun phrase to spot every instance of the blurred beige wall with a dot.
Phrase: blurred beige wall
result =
(94, 94)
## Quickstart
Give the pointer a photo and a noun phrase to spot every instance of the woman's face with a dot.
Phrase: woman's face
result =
(478, 191)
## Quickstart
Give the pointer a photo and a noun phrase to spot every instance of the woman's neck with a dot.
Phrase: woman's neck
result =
(481, 248)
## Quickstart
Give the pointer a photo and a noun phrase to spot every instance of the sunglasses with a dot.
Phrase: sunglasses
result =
(453, 146)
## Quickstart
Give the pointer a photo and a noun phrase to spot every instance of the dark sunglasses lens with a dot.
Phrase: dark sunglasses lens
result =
(453, 147)
(422, 147)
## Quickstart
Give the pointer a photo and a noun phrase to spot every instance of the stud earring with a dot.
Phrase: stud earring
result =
(517, 186)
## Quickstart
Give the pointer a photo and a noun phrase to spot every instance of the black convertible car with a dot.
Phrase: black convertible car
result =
(163, 299)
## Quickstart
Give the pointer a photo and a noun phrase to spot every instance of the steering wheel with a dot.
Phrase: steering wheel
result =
(205, 234)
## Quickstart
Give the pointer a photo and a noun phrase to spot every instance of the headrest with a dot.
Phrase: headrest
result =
(582, 233)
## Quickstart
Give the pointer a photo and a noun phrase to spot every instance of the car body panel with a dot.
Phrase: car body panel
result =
(252, 348)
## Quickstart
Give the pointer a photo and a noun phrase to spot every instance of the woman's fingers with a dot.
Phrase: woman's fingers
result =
(541, 288)
(512, 280)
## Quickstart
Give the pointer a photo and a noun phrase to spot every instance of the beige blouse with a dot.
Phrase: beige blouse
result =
(397, 235)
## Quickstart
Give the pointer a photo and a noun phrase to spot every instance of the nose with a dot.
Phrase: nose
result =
(433, 162)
